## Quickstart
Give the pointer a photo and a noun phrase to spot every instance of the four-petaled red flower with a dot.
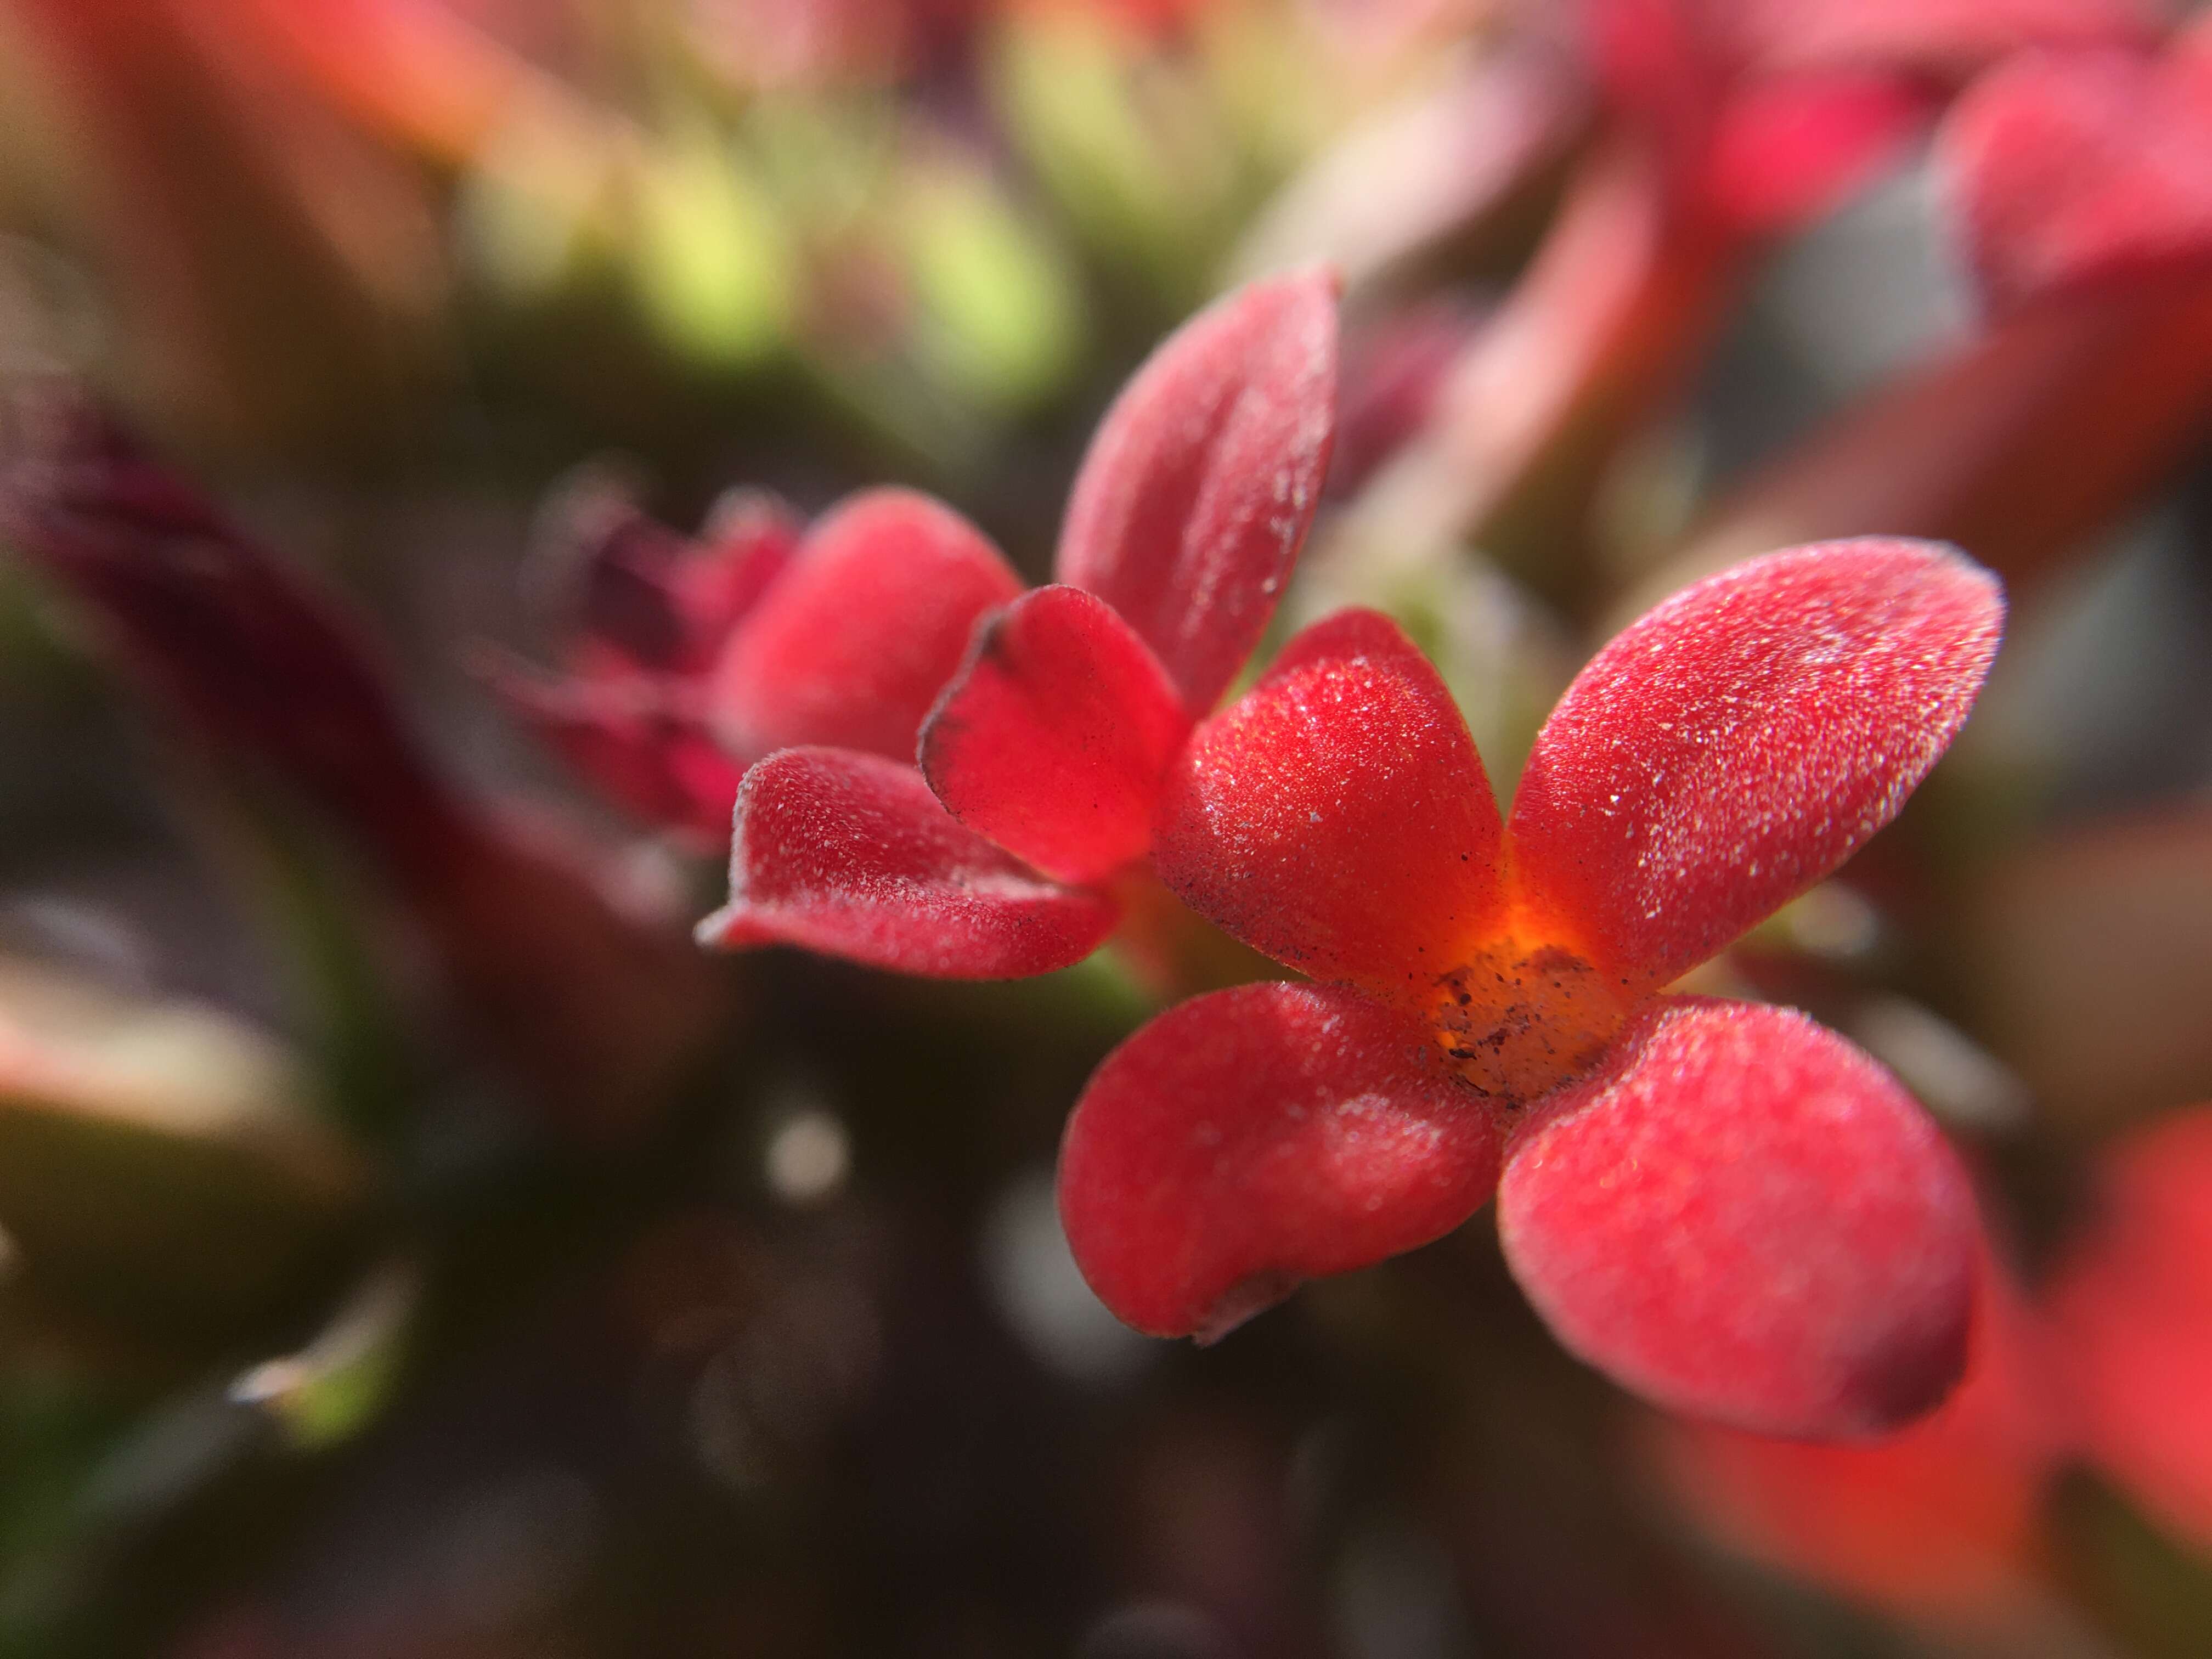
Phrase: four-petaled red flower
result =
(1011, 851)
(1723, 1206)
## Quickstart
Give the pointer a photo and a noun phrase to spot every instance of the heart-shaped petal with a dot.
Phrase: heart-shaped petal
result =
(849, 854)
(854, 643)
(1742, 1217)
(1054, 740)
(1742, 740)
(1251, 1138)
(1200, 482)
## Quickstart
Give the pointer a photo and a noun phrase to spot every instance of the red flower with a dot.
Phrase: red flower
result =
(693, 662)
(1723, 1206)
(1049, 749)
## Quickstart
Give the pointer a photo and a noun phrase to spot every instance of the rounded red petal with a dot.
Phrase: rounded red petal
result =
(852, 645)
(1054, 740)
(2068, 171)
(849, 854)
(1199, 488)
(1738, 743)
(1940, 1520)
(1255, 1137)
(1742, 1217)
(1337, 817)
(2133, 1308)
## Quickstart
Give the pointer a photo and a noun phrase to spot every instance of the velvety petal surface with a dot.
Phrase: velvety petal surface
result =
(2132, 1306)
(1337, 817)
(1203, 478)
(2084, 169)
(1054, 740)
(1742, 740)
(849, 854)
(854, 642)
(1741, 1217)
(1251, 1138)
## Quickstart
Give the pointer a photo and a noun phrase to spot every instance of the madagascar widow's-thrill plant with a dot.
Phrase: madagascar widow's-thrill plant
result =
(1723, 1205)
(1021, 842)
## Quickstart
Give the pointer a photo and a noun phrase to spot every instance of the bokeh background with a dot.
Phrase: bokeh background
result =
(391, 1270)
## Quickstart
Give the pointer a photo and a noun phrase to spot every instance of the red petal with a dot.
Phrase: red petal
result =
(1254, 1138)
(1053, 740)
(750, 538)
(1939, 1521)
(1788, 150)
(632, 743)
(1393, 373)
(1947, 38)
(2133, 1308)
(852, 647)
(2084, 169)
(1204, 476)
(1338, 818)
(1737, 744)
(1741, 1217)
(849, 854)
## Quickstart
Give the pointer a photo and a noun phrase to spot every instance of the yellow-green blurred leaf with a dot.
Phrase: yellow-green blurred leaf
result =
(335, 1384)
(1130, 146)
(999, 315)
(712, 261)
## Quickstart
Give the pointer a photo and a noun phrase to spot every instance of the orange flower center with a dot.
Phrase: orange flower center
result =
(1518, 1020)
